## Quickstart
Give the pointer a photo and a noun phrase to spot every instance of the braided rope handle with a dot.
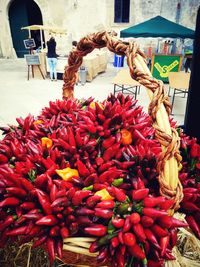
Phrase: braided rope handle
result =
(159, 107)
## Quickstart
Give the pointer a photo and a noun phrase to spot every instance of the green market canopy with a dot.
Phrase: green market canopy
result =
(158, 27)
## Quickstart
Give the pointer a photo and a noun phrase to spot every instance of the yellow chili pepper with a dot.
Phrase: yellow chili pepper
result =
(126, 137)
(38, 122)
(47, 142)
(67, 173)
(103, 193)
(93, 105)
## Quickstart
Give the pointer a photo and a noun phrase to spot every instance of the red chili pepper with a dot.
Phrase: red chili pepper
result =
(139, 232)
(119, 194)
(159, 231)
(59, 248)
(83, 171)
(64, 232)
(194, 150)
(140, 194)
(33, 216)
(164, 241)
(152, 263)
(108, 142)
(28, 205)
(71, 137)
(111, 152)
(129, 239)
(46, 206)
(177, 223)
(102, 256)
(51, 249)
(135, 218)
(165, 221)
(3, 159)
(54, 231)
(60, 202)
(127, 224)
(151, 238)
(16, 191)
(103, 213)
(109, 175)
(193, 225)
(53, 192)
(115, 242)
(188, 206)
(118, 222)
(120, 259)
(7, 222)
(47, 220)
(26, 184)
(151, 202)
(137, 252)
(34, 231)
(40, 180)
(84, 211)
(40, 241)
(190, 190)
(89, 127)
(9, 202)
(120, 237)
(96, 230)
(92, 201)
(153, 213)
(167, 204)
(173, 237)
(94, 247)
(169, 256)
(106, 204)
(17, 231)
(79, 196)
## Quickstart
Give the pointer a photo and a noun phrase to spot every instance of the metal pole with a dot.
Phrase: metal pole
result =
(41, 38)
(192, 109)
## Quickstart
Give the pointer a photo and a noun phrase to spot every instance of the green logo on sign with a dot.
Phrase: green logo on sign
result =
(164, 70)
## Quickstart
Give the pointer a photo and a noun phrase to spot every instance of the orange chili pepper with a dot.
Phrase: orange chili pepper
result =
(93, 105)
(126, 137)
(67, 173)
(47, 142)
(38, 122)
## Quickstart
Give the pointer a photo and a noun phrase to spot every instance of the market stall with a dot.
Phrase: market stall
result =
(160, 27)
(42, 50)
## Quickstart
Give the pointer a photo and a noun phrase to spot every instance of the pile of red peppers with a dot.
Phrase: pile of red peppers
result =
(87, 168)
(190, 179)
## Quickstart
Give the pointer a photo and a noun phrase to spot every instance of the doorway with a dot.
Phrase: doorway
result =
(24, 13)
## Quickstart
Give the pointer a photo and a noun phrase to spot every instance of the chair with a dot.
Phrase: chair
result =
(179, 81)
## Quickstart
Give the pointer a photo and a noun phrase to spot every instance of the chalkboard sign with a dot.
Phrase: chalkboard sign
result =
(29, 43)
(32, 59)
(163, 64)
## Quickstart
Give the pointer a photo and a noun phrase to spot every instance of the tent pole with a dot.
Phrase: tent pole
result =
(192, 109)
(41, 38)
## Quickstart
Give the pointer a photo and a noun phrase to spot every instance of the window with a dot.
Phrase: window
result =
(122, 11)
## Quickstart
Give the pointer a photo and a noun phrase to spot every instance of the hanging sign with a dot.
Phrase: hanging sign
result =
(29, 43)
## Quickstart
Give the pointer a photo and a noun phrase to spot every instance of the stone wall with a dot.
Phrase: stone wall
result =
(81, 17)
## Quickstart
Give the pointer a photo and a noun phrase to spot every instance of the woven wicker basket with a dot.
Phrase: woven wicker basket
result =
(159, 110)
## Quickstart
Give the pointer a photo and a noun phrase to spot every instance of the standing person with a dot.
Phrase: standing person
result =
(52, 58)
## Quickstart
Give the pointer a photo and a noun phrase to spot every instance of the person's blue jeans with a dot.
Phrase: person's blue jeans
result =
(52, 67)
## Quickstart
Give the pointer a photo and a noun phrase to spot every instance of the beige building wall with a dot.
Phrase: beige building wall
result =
(81, 17)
